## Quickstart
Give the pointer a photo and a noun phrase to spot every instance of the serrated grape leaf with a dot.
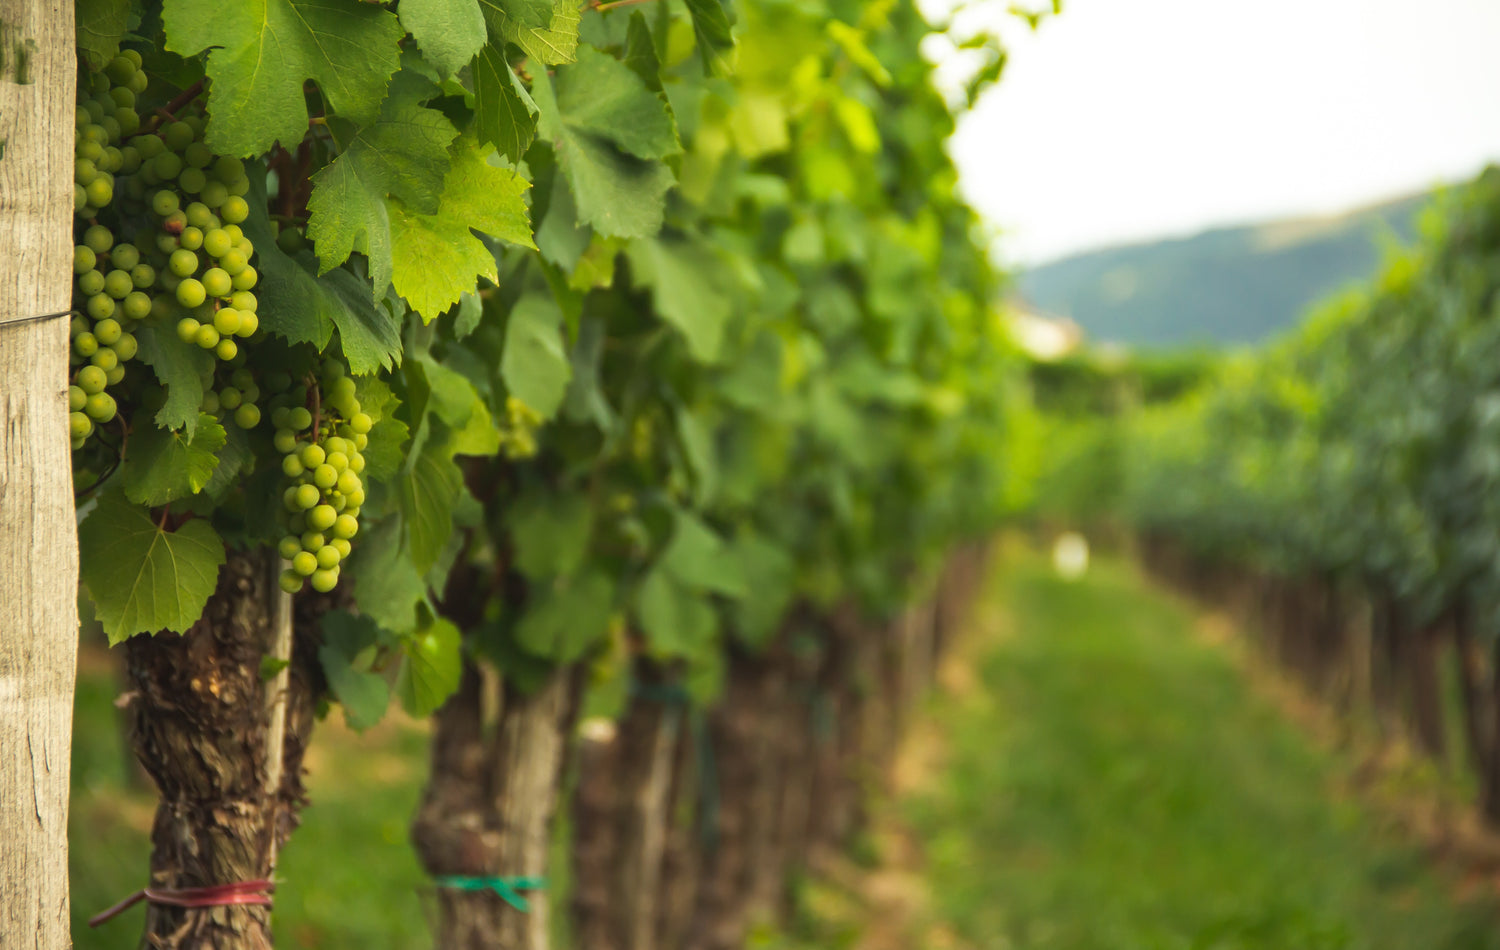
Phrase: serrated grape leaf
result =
(428, 492)
(550, 533)
(560, 238)
(385, 453)
(547, 30)
(101, 24)
(431, 667)
(564, 619)
(141, 578)
(178, 367)
(363, 694)
(303, 308)
(676, 621)
(697, 443)
(697, 558)
(261, 51)
(435, 257)
(754, 382)
(609, 132)
(162, 465)
(535, 365)
(504, 113)
(387, 586)
(640, 52)
(711, 29)
(449, 32)
(684, 277)
(405, 155)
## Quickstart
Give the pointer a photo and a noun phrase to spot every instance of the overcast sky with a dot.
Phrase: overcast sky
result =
(1135, 119)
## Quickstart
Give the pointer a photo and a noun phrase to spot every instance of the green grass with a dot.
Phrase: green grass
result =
(1112, 784)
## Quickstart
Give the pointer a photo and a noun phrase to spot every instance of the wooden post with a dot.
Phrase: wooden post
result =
(38, 541)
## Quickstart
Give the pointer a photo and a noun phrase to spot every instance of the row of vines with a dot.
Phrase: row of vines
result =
(511, 361)
(1340, 488)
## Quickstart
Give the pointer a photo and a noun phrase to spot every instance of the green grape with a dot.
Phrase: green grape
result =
(341, 545)
(304, 563)
(100, 191)
(122, 96)
(192, 180)
(247, 416)
(233, 262)
(245, 279)
(164, 202)
(307, 496)
(120, 69)
(347, 482)
(291, 467)
(177, 135)
(346, 527)
(312, 456)
(191, 238)
(100, 306)
(226, 350)
(190, 292)
(105, 358)
(183, 262)
(130, 163)
(234, 210)
(79, 425)
(214, 194)
(300, 418)
(226, 319)
(85, 345)
(117, 284)
(143, 275)
(136, 305)
(338, 461)
(311, 541)
(198, 155)
(216, 243)
(127, 347)
(243, 300)
(210, 401)
(285, 439)
(207, 337)
(291, 581)
(357, 497)
(288, 547)
(360, 423)
(325, 477)
(217, 283)
(91, 283)
(230, 398)
(323, 517)
(187, 330)
(80, 199)
(249, 323)
(167, 166)
(228, 168)
(125, 256)
(98, 238)
(84, 259)
(100, 407)
(325, 581)
(328, 557)
(115, 375)
(234, 232)
(77, 397)
(107, 331)
(149, 146)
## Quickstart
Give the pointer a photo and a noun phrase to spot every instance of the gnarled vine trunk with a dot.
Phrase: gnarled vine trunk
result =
(230, 786)
(487, 811)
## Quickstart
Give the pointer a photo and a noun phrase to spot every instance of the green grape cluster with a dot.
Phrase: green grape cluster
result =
(518, 430)
(188, 265)
(322, 460)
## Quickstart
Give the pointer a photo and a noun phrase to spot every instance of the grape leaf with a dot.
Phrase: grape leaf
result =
(101, 24)
(610, 132)
(431, 667)
(428, 493)
(640, 52)
(535, 366)
(142, 578)
(235, 458)
(698, 559)
(711, 29)
(387, 586)
(162, 465)
(363, 694)
(551, 533)
(435, 257)
(178, 367)
(564, 619)
(547, 30)
(684, 280)
(770, 575)
(504, 113)
(404, 154)
(261, 51)
(449, 32)
(676, 621)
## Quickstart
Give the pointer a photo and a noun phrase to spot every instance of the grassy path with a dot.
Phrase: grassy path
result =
(1109, 782)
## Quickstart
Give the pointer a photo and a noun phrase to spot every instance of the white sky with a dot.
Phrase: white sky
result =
(1134, 119)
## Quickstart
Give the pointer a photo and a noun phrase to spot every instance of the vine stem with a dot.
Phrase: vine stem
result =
(606, 7)
(278, 650)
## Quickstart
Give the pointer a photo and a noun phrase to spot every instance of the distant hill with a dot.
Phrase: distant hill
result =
(1228, 285)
